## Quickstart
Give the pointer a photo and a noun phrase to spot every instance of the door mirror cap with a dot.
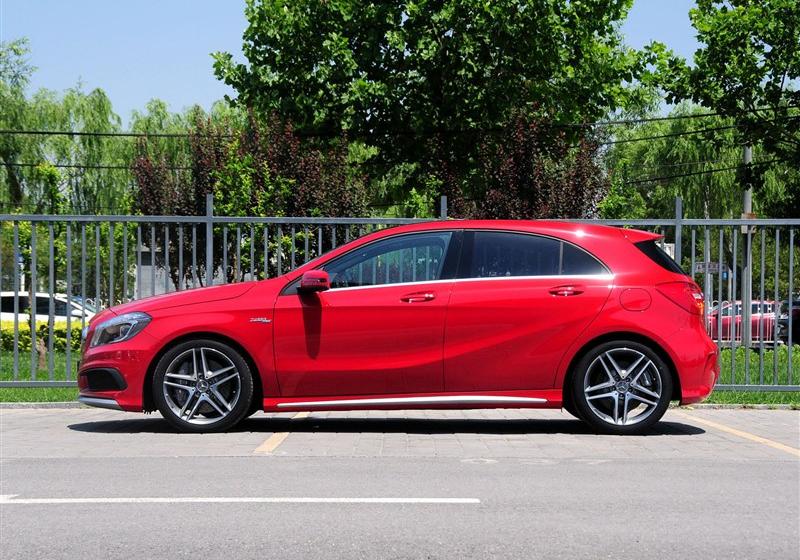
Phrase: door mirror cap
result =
(314, 281)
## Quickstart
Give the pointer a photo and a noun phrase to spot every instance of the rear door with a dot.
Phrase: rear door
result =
(518, 302)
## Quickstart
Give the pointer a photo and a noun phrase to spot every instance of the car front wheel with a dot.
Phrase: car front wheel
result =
(203, 386)
(621, 387)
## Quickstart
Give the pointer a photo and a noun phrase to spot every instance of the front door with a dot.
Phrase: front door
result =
(378, 330)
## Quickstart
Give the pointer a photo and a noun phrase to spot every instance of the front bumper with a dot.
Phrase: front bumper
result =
(100, 402)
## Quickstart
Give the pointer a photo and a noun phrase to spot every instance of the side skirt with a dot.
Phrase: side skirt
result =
(511, 399)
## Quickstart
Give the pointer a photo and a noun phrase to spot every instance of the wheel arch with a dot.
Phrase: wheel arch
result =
(148, 404)
(566, 394)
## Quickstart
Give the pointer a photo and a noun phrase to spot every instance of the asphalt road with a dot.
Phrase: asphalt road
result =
(97, 484)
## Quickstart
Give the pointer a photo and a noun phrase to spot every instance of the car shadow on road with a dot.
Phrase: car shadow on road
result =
(272, 424)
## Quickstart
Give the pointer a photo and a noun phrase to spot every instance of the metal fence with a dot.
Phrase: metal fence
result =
(56, 272)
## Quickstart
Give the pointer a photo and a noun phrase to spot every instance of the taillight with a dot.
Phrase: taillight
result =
(685, 294)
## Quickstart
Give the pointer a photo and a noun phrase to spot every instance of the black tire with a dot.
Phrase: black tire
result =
(628, 405)
(210, 406)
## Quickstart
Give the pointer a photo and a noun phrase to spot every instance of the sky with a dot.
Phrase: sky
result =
(138, 50)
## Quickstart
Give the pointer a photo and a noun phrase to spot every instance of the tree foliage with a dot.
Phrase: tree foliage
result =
(748, 69)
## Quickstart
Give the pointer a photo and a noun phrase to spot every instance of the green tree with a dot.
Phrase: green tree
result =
(396, 72)
(748, 69)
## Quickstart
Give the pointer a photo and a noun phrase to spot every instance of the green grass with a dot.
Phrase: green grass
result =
(56, 394)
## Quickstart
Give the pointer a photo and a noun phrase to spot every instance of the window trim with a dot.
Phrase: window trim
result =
(468, 244)
(450, 265)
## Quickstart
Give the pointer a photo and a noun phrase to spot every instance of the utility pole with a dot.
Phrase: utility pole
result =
(747, 258)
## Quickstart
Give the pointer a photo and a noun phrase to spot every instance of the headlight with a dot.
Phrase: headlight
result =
(123, 327)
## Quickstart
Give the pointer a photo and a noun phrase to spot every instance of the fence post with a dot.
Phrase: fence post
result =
(443, 207)
(678, 228)
(209, 239)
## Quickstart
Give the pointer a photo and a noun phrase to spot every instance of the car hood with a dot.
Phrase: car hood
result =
(186, 297)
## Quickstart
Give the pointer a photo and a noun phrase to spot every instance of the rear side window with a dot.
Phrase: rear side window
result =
(504, 254)
(659, 256)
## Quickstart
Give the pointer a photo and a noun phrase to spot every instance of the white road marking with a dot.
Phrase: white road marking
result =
(11, 499)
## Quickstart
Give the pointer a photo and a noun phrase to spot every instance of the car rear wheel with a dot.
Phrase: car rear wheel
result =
(203, 386)
(621, 387)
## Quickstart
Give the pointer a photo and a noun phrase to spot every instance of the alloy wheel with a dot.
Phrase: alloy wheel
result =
(622, 386)
(202, 386)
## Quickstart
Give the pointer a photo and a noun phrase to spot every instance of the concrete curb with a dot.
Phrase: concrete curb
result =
(68, 404)
(701, 406)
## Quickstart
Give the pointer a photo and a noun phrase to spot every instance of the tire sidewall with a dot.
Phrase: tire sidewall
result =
(600, 425)
(240, 410)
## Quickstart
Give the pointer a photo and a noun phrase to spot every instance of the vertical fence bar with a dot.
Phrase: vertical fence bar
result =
(747, 303)
(125, 292)
(17, 262)
(733, 303)
(719, 291)
(319, 240)
(777, 298)
(266, 251)
(138, 261)
(691, 259)
(194, 256)
(83, 274)
(32, 304)
(224, 254)
(97, 267)
(789, 340)
(252, 252)
(209, 239)
(166, 259)
(68, 348)
(279, 249)
(678, 228)
(111, 264)
(51, 281)
(238, 266)
(294, 242)
(761, 316)
(153, 245)
(306, 256)
(180, 257)
(707, 283)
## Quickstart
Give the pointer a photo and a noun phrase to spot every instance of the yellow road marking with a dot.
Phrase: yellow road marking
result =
(746, 435)
(272, 442)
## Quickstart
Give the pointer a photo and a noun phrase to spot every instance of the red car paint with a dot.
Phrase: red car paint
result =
(383, 346)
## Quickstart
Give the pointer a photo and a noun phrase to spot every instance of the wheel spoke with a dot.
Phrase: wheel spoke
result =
(194, 364)
(605, 385)
(203, 362)
(646, 401)
(641, 371)
(633, 366)
(179, 386)
(199, 400)
(625, 409)
(610, 375)
(226, 379)
(220, 398)
(617, 369)
(192, 393)
(616, 408)
(220, 371)
(611, 395)
(210, 401)
(180, 376)
(644, 390)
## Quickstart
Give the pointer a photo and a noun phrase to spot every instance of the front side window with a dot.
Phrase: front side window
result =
(504, 254)
(401, 259)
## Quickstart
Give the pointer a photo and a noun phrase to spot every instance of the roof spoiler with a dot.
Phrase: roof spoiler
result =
(637, 235)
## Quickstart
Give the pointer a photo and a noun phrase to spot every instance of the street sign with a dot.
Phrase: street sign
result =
(706, 267)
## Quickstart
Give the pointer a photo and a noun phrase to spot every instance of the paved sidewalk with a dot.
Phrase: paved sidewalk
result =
(531, 434)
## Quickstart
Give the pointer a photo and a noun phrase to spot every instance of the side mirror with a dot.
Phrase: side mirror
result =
(314, 281)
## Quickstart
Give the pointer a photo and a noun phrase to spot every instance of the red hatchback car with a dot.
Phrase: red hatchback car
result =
(458, 314)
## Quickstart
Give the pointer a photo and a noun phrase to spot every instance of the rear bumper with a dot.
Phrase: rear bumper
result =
(699, 369)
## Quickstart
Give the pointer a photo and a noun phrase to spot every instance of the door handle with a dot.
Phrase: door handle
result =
(418, 297)
(567, 290)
